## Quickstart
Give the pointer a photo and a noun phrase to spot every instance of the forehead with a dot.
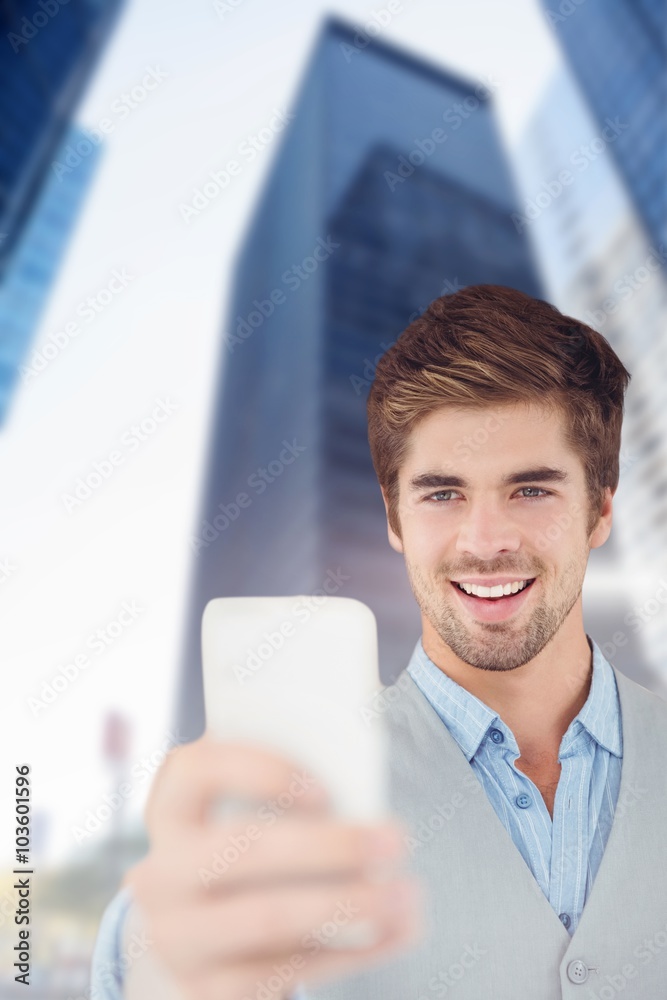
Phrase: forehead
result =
(491, 439)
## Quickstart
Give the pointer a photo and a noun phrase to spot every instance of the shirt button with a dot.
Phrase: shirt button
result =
(523, 800)
(577, 972)
(564, 918)
(497, 736)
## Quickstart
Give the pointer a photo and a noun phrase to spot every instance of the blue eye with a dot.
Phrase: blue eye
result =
(537, 489)
(439, 494)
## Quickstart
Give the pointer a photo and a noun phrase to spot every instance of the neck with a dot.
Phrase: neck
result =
(537, 700)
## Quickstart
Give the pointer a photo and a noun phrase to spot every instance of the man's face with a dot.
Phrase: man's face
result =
(495, 497)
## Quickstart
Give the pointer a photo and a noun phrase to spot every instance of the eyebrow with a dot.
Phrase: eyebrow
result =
(436, 480)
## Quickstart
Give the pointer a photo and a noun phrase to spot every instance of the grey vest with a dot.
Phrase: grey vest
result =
(491, 934)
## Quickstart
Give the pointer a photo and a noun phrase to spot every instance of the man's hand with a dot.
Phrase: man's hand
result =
(249, 904)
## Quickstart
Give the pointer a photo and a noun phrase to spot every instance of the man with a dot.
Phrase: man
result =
(494, 426)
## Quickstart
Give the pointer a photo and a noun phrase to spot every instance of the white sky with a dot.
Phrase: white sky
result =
(159, 338)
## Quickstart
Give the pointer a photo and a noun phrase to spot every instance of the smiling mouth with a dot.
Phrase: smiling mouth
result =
(489, 595)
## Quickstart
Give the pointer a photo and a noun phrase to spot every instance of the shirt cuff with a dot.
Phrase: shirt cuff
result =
(108, 965)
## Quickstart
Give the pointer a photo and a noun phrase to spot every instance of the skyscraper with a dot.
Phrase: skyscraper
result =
(618, 52)
(50, 49)
(390, 189)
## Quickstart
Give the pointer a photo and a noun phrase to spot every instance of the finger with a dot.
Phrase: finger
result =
(272, 922)
(402, 931)
(315, 966)
(196, 775)
(222, 857)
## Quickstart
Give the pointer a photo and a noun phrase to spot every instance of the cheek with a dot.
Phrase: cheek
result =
(559, 534)
(427, 541)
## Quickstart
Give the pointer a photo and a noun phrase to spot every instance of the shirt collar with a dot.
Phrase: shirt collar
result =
(469, 719)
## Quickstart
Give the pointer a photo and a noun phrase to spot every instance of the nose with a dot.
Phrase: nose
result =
(487, 529)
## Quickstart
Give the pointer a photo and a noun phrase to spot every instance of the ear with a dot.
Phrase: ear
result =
(602, 529)
(394, 539)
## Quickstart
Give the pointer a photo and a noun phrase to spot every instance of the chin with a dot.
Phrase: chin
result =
(503, 646)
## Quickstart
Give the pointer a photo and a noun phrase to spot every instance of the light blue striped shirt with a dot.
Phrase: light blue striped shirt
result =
(564, 854)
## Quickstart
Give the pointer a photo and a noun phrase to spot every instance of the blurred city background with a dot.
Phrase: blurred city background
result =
(214, 218)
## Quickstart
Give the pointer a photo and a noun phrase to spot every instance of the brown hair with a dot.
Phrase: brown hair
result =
(486, 345)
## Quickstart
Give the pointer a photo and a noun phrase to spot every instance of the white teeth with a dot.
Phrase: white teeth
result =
(497, 591)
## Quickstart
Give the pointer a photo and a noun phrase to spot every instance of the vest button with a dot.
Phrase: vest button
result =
(523, 800)
(564, 918)
(577, 971)
(497, 736)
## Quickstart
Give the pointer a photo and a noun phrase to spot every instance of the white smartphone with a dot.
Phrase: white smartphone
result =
(299, 675)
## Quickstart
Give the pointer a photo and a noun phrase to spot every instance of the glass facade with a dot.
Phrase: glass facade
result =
(50, 48)
(618, 52)
(31, 268)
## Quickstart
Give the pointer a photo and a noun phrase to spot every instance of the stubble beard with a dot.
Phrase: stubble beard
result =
(494, 645)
